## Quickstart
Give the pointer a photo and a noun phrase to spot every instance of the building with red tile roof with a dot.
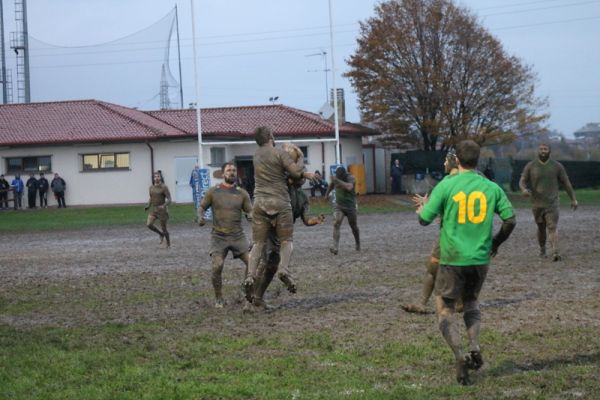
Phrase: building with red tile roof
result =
(98, 146)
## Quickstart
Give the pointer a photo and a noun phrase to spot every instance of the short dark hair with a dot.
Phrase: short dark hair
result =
(262, 135)
(225, 165)
(341, 173)
(467, 153)
(545, 144)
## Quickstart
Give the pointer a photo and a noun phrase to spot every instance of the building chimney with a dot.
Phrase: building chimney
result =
(341, 104)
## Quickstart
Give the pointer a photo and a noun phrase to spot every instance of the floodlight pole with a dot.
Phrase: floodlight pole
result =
(335, 102)
(198, 116)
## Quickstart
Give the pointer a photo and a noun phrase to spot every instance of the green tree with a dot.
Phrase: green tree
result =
(427, 72)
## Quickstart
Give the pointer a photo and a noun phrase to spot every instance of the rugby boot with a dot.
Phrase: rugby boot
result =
(415, 308)
(162, 238)
(248, 288)
(333, 250)
(168, 239)
(357, 246)
(260, 304)
(462, 372)
(288, 282)
(556, 257)
(474, 360)
(219, 303)
(543, 252)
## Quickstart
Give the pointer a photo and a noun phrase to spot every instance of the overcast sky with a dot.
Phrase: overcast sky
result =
(251, 50)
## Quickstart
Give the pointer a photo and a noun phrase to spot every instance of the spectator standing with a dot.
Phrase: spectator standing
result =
(32, 189)
(396, 177)
(318, 184)
(18, 186)
(59, 186)
(43, 186)
(4, 187)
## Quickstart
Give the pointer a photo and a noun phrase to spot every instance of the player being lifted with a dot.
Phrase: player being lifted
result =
(160, 198)
(228, 202)
(467, 202)
(271, 256)
(272, 208)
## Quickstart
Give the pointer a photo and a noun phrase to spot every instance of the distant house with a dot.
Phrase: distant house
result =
(589, 133)
(106, 152)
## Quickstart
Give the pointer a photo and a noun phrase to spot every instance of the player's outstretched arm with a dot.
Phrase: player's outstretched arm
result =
(505, 230)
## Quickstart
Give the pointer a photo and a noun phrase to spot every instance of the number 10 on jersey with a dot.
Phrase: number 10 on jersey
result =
(466, 207)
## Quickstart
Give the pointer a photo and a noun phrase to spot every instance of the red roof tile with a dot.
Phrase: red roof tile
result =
(241, 121)
(97, 121)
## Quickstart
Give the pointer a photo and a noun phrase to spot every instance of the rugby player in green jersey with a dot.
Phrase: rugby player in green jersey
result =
(345, 206)
(540, 180)
(227, 202)
(467, 203)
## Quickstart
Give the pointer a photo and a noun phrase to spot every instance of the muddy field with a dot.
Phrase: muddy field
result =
(94, 277)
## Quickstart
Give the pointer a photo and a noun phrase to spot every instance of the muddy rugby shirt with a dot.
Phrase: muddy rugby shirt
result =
(227, 203)
(467, 203)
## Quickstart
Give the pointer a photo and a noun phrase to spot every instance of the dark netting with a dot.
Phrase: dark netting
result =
(582, 174)
(131, 71)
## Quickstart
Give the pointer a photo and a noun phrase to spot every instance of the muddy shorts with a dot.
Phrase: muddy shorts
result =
(221, 245)
(460, 282)
(282, 223)
(161, 214)
(547, 215)
(340, 212)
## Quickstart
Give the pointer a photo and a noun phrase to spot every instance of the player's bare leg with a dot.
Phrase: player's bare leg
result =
(428, 284)
(352, 220)
(552, 224)
(449, 328)
(255, 255)
(284, 265)
(337, 223)
(541, 236)
(150, 224)
(472, 318)
(269, 269)
(165, 233)
(217, 270)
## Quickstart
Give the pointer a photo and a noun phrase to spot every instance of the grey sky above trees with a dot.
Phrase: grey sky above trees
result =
(251, 50)
(427, 72)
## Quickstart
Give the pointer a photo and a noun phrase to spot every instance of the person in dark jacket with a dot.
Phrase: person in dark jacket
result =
(18, 186)
(32, 189)
(396, 177)
(43, 186)
(4, 187)
(58, 186)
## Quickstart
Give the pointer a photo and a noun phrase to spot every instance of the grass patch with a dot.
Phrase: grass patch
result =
(151, 361)
(93, 217)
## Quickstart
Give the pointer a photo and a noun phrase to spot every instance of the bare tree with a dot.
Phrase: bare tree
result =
(426, 71)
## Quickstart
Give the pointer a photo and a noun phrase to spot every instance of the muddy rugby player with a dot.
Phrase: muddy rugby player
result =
(468, 202)
(271, 257)
(228, 202)
(272, 208)
(540, 180)
(433, 262)
(345, 206)
(160, 198)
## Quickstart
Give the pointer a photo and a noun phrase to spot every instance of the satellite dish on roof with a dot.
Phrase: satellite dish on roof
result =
(326, 111)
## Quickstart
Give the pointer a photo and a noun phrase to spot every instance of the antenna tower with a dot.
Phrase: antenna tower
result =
(19, 42)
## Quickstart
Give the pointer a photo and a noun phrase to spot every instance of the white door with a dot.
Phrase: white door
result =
(183, 170)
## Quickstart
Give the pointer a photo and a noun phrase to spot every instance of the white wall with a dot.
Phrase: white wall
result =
(131, 186)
